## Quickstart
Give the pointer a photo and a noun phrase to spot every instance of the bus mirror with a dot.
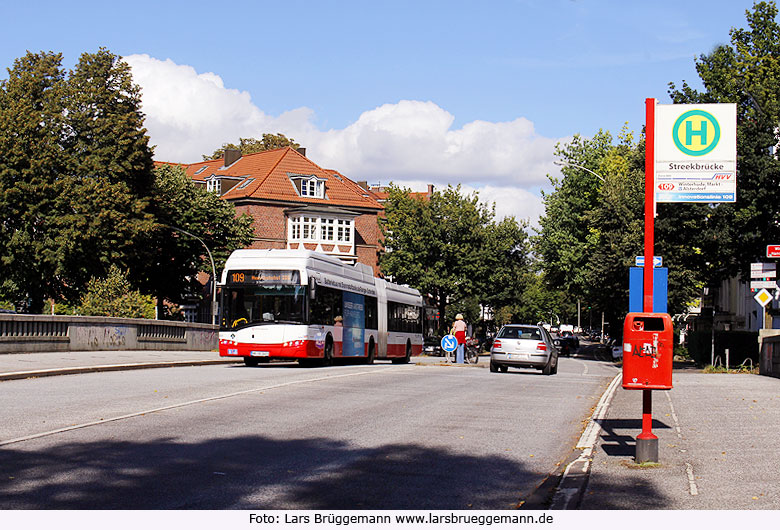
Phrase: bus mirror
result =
(312, 288)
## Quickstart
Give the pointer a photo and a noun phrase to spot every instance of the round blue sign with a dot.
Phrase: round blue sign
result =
(449, 343)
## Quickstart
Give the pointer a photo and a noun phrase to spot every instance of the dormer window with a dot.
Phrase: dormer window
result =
(309, 186)
(213, 185)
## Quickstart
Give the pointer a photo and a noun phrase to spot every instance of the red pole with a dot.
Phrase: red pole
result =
(647, 396)
(649, 203)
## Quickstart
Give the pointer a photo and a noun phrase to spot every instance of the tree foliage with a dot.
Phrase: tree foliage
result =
(746, 72)
(247, 146)
(450, 247)
(169, 259)
(78, 193)
(112, 296)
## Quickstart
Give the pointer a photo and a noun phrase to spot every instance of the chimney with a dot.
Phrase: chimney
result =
(430, 190)
(302, 150)
(363, 184)
(231, 155)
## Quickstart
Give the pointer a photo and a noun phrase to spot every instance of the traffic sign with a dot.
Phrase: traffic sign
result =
(449, 343)
(763, 271)
(763, 297)
(773, 251)
(658, 261)
(695, 153)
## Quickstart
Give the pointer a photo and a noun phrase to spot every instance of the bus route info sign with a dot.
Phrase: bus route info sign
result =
(696, 153)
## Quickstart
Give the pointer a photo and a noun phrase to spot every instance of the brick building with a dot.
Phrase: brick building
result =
(294, 203)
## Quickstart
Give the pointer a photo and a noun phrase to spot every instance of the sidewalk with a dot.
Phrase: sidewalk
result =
(24, 365)
(718, 447)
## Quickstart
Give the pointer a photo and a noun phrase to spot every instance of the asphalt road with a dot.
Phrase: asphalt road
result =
(283, 437)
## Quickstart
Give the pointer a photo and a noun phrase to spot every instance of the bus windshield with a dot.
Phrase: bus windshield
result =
(262, 304)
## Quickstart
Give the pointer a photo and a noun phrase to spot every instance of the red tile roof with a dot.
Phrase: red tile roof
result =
(271, 171)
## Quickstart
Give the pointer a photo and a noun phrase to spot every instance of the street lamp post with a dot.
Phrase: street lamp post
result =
(213, 273)
(559, 163)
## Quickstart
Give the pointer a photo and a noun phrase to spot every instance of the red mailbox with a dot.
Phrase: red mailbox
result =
(648, 351)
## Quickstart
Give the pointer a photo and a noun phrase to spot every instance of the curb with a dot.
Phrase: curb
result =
(28, 374)
(568, 494)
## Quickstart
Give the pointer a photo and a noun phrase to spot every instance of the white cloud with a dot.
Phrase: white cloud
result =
(189, 114)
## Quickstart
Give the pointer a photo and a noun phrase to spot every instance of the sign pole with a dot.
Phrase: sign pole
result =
(646, 441)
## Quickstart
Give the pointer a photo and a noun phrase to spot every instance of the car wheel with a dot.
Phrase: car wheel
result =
(493, 367)
(504, 369)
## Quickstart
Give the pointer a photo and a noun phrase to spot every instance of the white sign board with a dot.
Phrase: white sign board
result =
(763, 270)
(696, 153)
(658, 261)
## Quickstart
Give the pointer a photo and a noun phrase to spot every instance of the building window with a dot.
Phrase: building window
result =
(295, 228)
(327, 227)
(213, 185)
(320, 230)
(309, 186)
(344, 231)
(309, 229)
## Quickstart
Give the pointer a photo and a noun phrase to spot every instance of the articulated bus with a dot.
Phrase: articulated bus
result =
(313, 308)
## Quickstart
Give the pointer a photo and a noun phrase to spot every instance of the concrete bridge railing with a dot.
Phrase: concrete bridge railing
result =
(37, 333)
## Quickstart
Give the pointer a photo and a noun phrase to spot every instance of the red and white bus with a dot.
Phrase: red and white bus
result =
(306, 306)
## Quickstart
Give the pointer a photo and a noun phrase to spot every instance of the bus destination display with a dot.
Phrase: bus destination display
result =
(263, 277)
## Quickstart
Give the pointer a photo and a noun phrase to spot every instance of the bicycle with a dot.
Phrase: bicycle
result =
(470, 352)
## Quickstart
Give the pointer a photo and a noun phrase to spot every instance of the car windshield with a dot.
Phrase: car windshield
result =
(520, 332)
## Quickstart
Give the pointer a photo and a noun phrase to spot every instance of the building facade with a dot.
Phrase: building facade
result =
(294, 203)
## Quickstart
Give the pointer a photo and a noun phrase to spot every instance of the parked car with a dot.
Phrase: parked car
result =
(432, 346)
(524, 346)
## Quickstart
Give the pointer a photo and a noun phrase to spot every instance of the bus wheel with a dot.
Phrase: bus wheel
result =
(327, 359)
(251, 361)
(407, 357)
(371, 353)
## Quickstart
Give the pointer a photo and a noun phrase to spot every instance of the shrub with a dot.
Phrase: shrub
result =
(112, 297)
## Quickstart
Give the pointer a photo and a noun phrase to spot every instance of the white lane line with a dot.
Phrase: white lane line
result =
(184, 404)
(693, 489)
(588, 438)
(573, 481)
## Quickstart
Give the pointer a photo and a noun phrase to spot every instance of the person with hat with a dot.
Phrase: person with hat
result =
(459, 330)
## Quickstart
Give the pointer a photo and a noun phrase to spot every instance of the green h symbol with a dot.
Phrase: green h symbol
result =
(690, 133)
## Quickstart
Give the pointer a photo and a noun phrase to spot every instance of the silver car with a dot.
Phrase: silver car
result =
(524, 346)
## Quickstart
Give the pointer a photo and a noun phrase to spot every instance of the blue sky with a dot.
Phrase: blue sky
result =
(411, 91)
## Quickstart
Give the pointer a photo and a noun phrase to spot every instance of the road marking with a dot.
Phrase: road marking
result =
(693, 489)
(574, 478)
(588, 438)
(185, 404)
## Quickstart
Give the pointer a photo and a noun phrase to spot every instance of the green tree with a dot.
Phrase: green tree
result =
(112, 296)
(105, 136)
(746, 73)
(31, 167)
(170, 260)
(247, 146)
(449, 247)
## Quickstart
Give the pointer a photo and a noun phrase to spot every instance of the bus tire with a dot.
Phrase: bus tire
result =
(327, 354)
(371, 351)
(407, 357)
(251, 361)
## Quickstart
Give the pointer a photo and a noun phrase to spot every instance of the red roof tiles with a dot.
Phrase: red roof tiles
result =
(271, 171)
